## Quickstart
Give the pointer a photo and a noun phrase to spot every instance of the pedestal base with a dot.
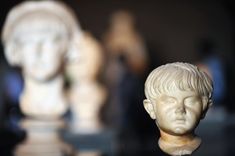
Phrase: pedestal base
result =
(42, 139)
(86, 126)
(103, 143)
(89, 153)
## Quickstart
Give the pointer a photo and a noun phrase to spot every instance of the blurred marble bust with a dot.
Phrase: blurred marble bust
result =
(86, 94)
(90, 60)
(38, 36)
(178, 97)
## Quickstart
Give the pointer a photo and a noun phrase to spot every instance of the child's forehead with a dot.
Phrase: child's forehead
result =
(175, 90)
(174, 85)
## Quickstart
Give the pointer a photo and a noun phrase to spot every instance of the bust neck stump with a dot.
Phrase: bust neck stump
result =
(178, 145)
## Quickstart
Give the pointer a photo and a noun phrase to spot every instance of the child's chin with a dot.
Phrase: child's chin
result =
(180, 130)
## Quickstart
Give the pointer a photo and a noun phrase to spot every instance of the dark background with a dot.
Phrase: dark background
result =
(172, 30)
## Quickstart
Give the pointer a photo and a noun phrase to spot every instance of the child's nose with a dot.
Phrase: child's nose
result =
(180, 109)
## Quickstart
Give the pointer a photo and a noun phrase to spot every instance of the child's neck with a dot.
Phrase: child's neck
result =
(178, 145)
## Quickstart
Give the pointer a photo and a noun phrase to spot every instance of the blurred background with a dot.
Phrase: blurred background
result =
(200, 32)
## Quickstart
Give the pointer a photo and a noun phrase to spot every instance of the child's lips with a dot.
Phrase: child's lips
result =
(180, 119)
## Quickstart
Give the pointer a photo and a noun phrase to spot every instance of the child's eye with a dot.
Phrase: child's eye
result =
(191, 100)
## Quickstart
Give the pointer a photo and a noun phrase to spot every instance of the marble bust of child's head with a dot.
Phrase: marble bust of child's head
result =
(178, 97)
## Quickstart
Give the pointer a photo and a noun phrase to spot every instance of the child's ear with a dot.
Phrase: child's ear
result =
(206, 103)
(149, 108)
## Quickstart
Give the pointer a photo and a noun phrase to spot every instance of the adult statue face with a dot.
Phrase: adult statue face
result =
(42, 53)
(40, 47)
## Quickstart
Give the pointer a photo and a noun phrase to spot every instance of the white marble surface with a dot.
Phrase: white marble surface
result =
(178, 97)
(86, 94)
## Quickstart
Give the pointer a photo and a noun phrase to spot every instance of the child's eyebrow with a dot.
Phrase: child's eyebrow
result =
(192, 96)
(167, 96)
